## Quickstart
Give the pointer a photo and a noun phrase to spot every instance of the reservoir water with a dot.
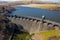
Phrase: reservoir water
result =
(36, 12)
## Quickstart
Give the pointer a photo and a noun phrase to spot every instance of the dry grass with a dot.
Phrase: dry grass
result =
(44, 6)
(49, 7)
(46, 35)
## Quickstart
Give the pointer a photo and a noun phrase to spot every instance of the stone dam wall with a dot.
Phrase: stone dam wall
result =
(33, 25)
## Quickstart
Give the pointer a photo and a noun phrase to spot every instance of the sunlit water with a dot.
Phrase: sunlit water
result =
(35, 12)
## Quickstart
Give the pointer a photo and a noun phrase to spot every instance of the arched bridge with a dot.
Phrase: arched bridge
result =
(32, 25)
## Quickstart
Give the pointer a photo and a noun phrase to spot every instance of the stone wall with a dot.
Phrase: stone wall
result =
(33, 25)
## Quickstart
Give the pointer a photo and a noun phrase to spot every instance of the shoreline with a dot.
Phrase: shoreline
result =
(43, 6)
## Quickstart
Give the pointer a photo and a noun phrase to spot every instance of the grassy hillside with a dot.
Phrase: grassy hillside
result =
(23, 36)
(50, 7)
(48, 35)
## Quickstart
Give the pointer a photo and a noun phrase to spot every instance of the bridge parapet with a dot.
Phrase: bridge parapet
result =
(32, 24)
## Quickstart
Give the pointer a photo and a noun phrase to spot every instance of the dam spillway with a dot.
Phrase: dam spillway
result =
(33, 25)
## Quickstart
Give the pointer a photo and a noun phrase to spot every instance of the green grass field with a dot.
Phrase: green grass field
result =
(23, 36)
(50, 33)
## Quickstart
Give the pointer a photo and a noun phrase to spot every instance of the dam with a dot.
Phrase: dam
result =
(33, 25)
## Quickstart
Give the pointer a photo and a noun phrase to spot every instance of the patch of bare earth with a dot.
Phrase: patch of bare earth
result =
(38, 37)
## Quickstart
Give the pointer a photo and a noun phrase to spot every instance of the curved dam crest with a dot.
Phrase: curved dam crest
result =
(33, 25)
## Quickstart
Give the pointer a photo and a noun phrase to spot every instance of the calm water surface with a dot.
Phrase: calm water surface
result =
(35, 12)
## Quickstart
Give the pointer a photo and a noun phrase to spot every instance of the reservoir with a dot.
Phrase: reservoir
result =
(36, 12)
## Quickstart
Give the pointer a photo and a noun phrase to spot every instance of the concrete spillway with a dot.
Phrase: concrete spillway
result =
(33, 25)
